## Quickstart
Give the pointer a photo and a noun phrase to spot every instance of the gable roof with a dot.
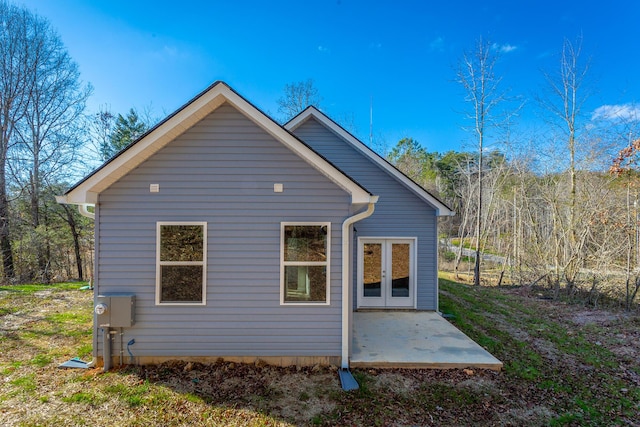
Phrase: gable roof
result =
(311, 112)
(86, 191)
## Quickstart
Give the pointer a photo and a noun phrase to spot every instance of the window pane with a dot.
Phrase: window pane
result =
(181, 283)
(181, 242)
(305, 283)
(305, 243)
(400, 258)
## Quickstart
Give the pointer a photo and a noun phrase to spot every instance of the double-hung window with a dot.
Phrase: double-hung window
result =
(304, 266)
(181, 254)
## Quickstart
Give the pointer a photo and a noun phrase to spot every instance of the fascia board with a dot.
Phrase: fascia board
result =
(441, 208)
(78, 197)
(128, 160)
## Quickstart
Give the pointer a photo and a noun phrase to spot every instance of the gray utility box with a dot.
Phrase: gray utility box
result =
(115, 310)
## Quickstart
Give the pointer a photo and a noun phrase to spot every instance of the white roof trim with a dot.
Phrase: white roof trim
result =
(87, 190)
(293, 124)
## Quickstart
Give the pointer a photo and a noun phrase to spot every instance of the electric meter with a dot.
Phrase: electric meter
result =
(100, 308)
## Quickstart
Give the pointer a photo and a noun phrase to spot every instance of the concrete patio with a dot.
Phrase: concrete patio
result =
(414, 339)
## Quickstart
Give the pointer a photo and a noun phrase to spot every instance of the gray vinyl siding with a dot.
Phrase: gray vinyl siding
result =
(222, 171)
(398, 213)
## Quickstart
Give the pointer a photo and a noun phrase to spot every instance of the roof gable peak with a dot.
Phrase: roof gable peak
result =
(87, 190)
(312, 112)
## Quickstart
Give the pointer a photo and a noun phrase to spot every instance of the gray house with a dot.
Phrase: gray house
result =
(221, 234)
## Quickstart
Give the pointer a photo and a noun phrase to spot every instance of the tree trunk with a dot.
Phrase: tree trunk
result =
(476, 268)
(573, 249)
(42, 240)
(76, 241)
(5, 238)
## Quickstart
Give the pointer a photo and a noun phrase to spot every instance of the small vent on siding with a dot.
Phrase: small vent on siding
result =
(154, 188)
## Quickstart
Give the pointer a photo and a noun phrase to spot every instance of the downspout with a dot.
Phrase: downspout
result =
(346, 276)
(85, 212)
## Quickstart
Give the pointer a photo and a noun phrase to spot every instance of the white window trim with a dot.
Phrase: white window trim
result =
(326, 263)
(202, 263)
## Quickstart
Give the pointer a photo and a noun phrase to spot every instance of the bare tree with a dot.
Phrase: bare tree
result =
(48, 101)
(476, 74)
(464, 191)
(297, 97)
(13, 98)
(568, 95)
(101, 126)
(79, 227)
(625, 166)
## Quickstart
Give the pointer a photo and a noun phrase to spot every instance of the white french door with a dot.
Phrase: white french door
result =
(386, 272)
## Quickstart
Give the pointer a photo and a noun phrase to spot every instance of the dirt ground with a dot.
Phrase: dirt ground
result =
(564, 365)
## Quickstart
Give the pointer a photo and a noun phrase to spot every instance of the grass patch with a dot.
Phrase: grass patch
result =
(26, 383)
(555, 373)
(446, 394)
(84, 398)
(193, 398)
(72, 317)
(39, 287)
(539, 349)
(7, 310)
(131, 395)
(41, 360)
(304, 396)
(84, 350)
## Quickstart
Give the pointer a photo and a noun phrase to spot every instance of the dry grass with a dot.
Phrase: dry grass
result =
(564, 365)
(41, 327)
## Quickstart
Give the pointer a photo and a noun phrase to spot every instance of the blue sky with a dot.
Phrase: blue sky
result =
(400, 54)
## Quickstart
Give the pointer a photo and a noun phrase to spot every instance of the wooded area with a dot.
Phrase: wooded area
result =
(557, 206)
(553, 203)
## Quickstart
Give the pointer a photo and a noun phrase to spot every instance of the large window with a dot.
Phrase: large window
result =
(181, 263)
(305, 263)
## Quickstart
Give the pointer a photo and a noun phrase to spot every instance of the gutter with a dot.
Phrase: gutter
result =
(346, 275)
(82, 207)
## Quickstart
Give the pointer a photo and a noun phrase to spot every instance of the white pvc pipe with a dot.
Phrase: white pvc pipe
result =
(346, 275)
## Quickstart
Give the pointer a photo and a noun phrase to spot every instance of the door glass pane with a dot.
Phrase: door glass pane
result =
(372, 270)
(400, 259)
